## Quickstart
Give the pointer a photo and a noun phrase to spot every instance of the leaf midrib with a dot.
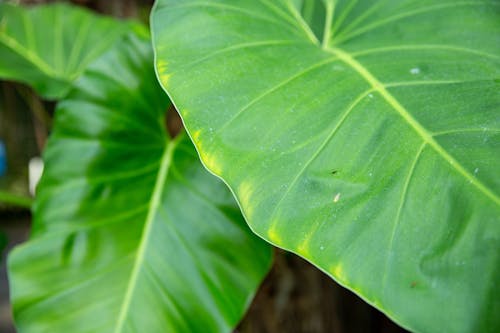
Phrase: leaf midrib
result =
(421, 131)
(389, 98)
(31, 57)
(154, 203)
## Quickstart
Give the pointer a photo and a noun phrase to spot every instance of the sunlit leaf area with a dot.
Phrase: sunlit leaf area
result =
(250, 166)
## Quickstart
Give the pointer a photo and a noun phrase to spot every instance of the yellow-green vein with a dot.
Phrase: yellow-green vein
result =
(30, 56)
(154, 204)
(426, 136)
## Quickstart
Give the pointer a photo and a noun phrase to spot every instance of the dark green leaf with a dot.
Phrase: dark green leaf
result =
(131, 233)
(369, 147)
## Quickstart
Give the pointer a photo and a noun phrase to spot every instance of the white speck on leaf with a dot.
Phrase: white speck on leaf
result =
(415, 71)
(476, 170)
(337, 198)
(321, 247)
(370, 95)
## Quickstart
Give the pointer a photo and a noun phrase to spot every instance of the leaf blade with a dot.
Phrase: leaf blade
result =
(130, 232)
(38, 56)
(274, 121)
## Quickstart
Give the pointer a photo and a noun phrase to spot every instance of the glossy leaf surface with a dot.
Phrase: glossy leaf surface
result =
(49, 46)
(362, 135)
(131, 233)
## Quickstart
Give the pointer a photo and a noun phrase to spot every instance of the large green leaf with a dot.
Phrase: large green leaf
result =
(369, 146)
(49, 46)
(131, 233)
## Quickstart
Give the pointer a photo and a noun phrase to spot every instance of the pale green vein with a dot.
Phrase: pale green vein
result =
(316, 153)
(54, 299)
(30, 56)
(281, 13)
(422, 83)
(154, 205)
(173, 307)
(424, 47)
(58, 39)
(330, 9)
(362, 17)
(248, 13)
(400, 16)
(96, 223)
(397, 219)
(76, 50)
(467, 130)
(74, 137)
(241, 46)
(96, 50)
(337, 23)
(303, 24)
(29, 34)
(274, 88)
(95, 104)
(125, 82)
(208, 279)
(60, 214)
(308, 10)
(426, 136)
(74, 183)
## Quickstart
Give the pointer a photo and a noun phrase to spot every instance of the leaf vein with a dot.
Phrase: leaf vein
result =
(400, 16)
(316, 153)
(30, 56)
(397, 219)
(421, 131)
(241, 46)
(249, 13)
(154, 205)
(423, 47)
(275, 88)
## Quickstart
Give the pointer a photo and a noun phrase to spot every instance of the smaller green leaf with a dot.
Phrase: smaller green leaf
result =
(49, 46)
(131, 233)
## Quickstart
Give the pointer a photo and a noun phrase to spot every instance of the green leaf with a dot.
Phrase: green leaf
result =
(131, 233)
(49, 46)
(369, 147)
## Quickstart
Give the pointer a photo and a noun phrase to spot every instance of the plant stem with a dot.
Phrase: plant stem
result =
(16, 200)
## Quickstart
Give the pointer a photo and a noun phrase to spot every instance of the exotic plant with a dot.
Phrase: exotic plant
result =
(130, 233)
(361, 135)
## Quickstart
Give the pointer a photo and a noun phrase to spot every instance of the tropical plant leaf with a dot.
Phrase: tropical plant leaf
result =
(369, 147)
(131, 233)
(49, 46)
